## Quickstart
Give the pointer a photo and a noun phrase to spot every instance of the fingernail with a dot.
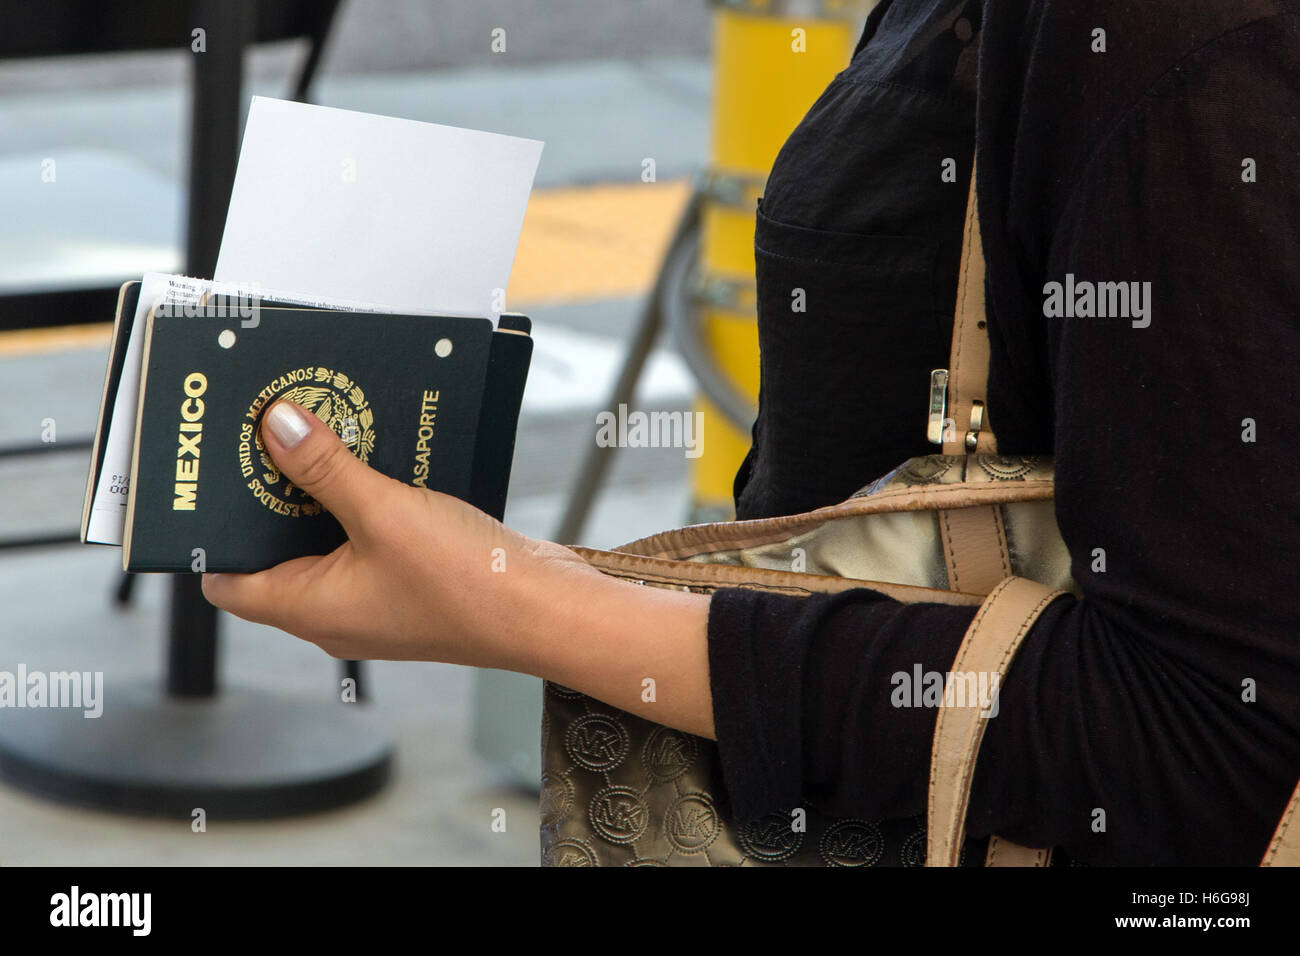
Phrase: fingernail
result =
(287, 424)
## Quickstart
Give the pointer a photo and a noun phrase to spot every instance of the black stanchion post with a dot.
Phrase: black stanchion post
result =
(214, 151)
(191, 640)
(214, 127)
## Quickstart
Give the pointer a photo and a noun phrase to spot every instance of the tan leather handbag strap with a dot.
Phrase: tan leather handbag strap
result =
(968, 361)
(986, 652)
(1284, 850)
(974, 539)
(975, 548)
(1005, 853)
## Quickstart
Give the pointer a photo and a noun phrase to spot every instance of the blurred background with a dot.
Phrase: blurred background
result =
(660, 118)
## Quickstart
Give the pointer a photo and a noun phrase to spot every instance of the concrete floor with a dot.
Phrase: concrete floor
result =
(437, 810)
(396, 36)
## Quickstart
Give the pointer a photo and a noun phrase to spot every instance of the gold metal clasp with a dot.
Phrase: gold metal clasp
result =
(976, 423)
(938, 406)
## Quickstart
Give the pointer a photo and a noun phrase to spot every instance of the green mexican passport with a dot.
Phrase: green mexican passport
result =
(429, 400)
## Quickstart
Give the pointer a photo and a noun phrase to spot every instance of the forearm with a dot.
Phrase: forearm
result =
(640, 649)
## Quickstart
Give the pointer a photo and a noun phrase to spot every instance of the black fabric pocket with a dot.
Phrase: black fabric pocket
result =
(849, 328)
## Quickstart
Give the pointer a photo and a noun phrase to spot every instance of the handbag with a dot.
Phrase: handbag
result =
(968, 527)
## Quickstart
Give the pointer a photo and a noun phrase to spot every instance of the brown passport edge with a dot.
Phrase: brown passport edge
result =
(135, 443)
(92, 479)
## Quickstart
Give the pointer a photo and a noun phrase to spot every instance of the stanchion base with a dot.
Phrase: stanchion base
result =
(244, 754)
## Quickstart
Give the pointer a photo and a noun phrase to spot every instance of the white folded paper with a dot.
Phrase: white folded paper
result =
(358, 209)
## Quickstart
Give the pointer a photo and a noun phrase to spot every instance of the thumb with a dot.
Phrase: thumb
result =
(309, 454)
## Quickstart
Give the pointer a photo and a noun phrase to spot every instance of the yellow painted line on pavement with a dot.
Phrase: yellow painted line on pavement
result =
(54, 339)
(594, 242)
(578, 244)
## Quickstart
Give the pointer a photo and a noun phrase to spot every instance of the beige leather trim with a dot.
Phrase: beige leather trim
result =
(733, 535)
(1005, 853)
(968, 362)
(709, 577)
(975, 548)
(1284, 850)
(990, 643)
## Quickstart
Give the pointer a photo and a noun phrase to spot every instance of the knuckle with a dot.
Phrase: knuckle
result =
(319, 467)
(331, 644)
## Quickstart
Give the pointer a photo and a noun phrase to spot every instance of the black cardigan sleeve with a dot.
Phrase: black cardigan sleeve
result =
(1157, 719)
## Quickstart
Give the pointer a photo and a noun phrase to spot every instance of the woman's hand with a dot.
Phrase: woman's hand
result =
(424, 576)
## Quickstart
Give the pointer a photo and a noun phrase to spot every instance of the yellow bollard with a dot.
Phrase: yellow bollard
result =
(771, 60)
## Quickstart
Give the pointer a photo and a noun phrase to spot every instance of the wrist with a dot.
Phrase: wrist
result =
(548, 600)
(640, 649)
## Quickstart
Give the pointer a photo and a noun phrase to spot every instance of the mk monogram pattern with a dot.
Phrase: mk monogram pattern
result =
(622, 791)
(957, 469)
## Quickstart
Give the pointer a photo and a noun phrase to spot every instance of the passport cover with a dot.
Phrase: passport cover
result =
(429, 400)
(503, 395)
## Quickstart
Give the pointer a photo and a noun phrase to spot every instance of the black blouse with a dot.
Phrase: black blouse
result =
(1157, 719)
